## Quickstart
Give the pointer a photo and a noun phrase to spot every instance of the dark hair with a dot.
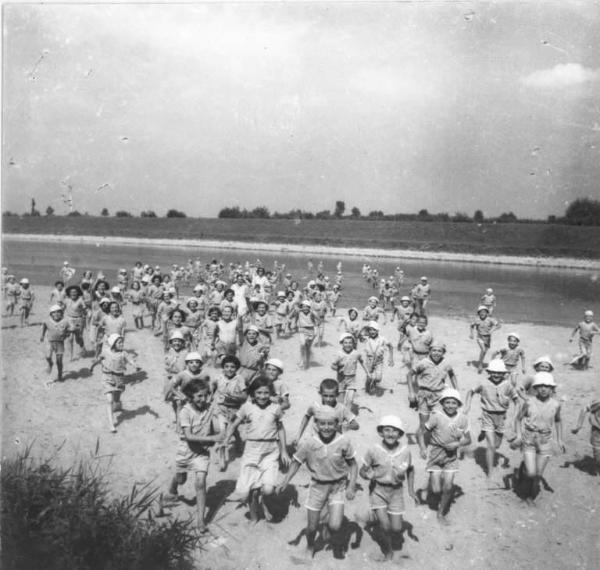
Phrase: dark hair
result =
(59, 282)
(230, 358)
(195, 385)
(329, 384)
(259, 382)
(181, 313)
(85, 285)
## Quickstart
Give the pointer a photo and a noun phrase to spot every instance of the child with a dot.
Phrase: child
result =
(333, 298)
(163, 314)
(230, 392)
(485, 326)
(227, 333)
(282, 310)
(199, 430)
(174, 362)
(57, 295)
(403, 312)
(387, 465)
(193, 320)
(112, 323)
(252, 355)
(307, 322)
(421, 294)
(97, 336)
(175, 394)
(13, 290)
(176, 322)
(345, 364)
(329, 391)
(594, 410)
(488, 299)
(26, 299)
(352, 325)
(330, 458)
(374, 350)
(273, 370)
(373, 311)
(75, 315)
(535, 421)
(265, 446)
(58, 329)
(208, 333)
(449, 430)
(586, 329)
(429, 381)
(319, 308)
(137, 298)
(229, 301)
(262, 321)
(114, 365)
(511, 356)
(496, 396)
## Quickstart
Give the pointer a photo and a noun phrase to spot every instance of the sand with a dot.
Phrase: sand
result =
(516, 260)
(490, 527)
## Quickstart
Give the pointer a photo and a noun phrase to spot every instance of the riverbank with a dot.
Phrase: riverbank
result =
(315, 250)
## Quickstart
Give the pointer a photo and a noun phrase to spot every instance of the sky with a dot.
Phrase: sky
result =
(392, 106)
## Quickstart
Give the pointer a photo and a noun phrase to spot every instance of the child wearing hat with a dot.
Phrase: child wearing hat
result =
(174, 361)
(373, 311)
(496, 396)
(538, 417)
(352, 325)
(57, 295)
(75, 311)
(488, 299)
(97, 335)
(421, 294)
(228, 331)
(402, 314)
(374, 351)
(594, 411)
(26, 298)
(485, 326)
(306, 322)
(345, 364)
(273, 369)
(137, 298)
(387, 465)
(511, 356)
(319, 307)
(230, 392)
(13, 290)
(282, 311)
(449, 431)
(209, 331)
(114, 365)
(330, 459)
(586, 329)
(252, 354)
(55, 329)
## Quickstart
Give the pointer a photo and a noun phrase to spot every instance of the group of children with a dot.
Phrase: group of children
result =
(233, 322)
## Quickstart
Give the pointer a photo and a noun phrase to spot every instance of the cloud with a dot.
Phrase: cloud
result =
(560, 76)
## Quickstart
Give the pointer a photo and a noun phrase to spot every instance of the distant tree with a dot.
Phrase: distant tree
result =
(175, 214)
(423, 213)
(309, 215)
(123, 214)
(104, 212)
(355, 212)
(230, 212)
(260, 212)
(443, 217)
(375, 214)
(49, 211)
(505, 218)
(9, 214)
(461, 217)
(323, 215)
(148, 214)
(583, 212)
(74, 214)
(551, 219)
(340, 208)
(478, 217)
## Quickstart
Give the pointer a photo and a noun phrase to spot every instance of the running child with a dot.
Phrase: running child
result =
(57, 295)
(488, 299)
(75, 315)
(226, 341)
(586, 329)
(26, 298)
(137, 299)
(319, 308)
(174, 364)
(330, 459)
(419, 339)
(209, 331)
(496, 396)
(352, 325)
(199, 431)
(387, 465)
(282, 311)
(537, 418)
(511, 357)
(56, 330)
(449, 431)
(265, 446)
(345, 365)
(307, 323)
(594, 411)
(374, 352)
(252, 355)
(485, 326)
(402, 313)
(329, 392)
(273, 369)
(114, 365)
(373, 311)
(13, 290)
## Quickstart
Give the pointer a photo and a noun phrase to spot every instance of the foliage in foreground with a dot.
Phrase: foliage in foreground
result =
(56, 518)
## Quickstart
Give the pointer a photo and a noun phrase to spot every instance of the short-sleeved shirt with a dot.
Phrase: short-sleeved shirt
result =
(281, 388)
(432, 376)
(57, 331)
(496, 397)
(375, 348)
(115, 362)
(388, 464)
(540, 416)
(404, 314)
(234, 387)
(199, 422)
(74, 309)
(113, 325)
(420, 341)
(326, 461)
(262, 423)
(183, 378)
(485, 326)
(587, 330)
(228, 331)
(346, 363)
(511, 356)
(341, 412)
(175, 361)
(446, 429)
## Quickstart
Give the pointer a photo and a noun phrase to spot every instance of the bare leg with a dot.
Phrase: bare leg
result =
(111, 417)
(200, 484)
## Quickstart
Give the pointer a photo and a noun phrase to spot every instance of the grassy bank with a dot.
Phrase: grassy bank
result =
(505, 239)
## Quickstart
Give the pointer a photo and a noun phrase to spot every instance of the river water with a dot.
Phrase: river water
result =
(525, 294)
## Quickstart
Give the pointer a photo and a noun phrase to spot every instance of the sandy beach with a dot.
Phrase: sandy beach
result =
(490, 526)
(370, 253)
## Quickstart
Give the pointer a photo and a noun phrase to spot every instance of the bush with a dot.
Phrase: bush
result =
(175, 214)
(55, 518)
(74, 213)
(506, 218)
(104, 212)
(461, 217)
(123, 214)
(8, 213)
(148, 214)
(583, 212)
